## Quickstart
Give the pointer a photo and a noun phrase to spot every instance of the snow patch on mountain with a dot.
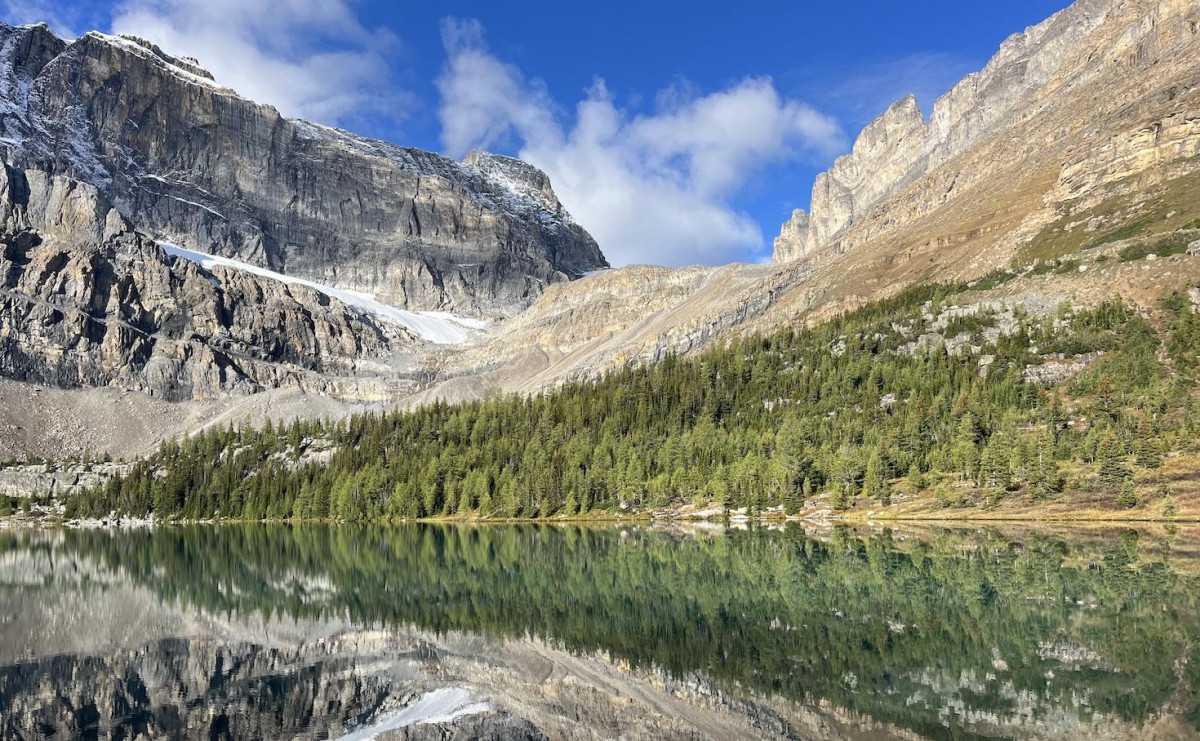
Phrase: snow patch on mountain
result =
(439, 706)
(438, 327)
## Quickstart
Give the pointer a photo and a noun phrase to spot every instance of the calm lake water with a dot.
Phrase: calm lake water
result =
(569, 632)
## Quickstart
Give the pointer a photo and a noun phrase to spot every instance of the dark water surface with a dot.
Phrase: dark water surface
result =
(519, 631)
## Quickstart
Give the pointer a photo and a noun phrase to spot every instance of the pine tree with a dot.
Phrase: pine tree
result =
(875, 486)
(1113, 471)
(1045, 480)
(844, 475)
(994, 462)
(1128, 497)
(965, 450)
(794, 499)
(1146, 451)
(916, 480)
(842, 498)
(465, 503)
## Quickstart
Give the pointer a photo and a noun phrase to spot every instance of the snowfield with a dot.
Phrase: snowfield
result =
(439, 706)
(438, 327)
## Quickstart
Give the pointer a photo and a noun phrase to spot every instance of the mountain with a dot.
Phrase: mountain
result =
(1097, 101)
(163, 235)
(1076, 147)
(187, 160)
(1078, 138)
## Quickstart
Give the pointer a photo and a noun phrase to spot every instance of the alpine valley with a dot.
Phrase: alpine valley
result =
(305, 434)
(181, 263)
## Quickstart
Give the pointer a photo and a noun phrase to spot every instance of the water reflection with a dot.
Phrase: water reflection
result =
(275, 631)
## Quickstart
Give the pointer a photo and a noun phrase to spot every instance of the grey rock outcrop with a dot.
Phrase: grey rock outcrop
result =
(183, 158)
(86, 301)
(887, 154)
(57, 481)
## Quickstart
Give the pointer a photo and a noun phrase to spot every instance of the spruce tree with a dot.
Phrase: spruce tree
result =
(1113, 471)
(1146, 451)
(1128, 497)
(875, 486)
(965, 451)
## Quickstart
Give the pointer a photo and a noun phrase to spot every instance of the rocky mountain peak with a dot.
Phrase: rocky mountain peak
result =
(883, 156)
(190, 65)
(899, 146)
(186, 160)
(516, 176)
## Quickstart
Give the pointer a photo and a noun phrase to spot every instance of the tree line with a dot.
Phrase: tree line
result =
(854, 408)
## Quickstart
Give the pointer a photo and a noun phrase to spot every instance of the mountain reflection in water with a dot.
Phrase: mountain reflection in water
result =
(429, 631)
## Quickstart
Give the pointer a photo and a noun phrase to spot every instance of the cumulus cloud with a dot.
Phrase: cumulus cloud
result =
(314, 60)
(652, 188)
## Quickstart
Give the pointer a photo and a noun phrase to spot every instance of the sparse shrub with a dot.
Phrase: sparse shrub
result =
(993, 279)
(1174, 245)
(1066, 267)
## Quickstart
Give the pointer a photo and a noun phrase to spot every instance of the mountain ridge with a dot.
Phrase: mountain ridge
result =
(187, 160)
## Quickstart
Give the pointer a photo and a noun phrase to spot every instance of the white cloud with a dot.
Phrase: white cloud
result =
(652, 188)
(314, 60)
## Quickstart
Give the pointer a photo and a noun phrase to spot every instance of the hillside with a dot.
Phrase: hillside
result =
(1080, 134)
(981, 404)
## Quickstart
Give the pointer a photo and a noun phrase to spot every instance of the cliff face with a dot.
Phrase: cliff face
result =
(1073, 80)
(87, 301)
(887, 154)
(184, 159)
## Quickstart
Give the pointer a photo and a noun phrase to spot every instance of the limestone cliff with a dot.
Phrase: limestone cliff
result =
(185, 159)
(1094, 57)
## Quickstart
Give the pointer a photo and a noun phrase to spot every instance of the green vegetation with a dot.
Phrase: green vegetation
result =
(994, 279)
(1173, 245)
(845, 408)
(881, 626)
(1128, 231)
(970, 324)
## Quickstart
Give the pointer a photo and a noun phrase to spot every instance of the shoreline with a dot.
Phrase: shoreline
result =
(14, 521)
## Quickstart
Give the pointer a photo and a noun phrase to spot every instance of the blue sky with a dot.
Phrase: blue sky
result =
(676, 132)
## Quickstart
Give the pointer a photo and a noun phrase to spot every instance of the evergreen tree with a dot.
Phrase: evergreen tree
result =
(1127, 499)
(916, 480)
(1113, 471)
(875, 485)
(1146, 450)
(965, 450)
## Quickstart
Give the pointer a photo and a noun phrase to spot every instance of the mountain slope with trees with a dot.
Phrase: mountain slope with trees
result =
(980, 402)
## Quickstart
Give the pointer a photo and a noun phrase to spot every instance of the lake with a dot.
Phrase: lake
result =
(514, 632)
